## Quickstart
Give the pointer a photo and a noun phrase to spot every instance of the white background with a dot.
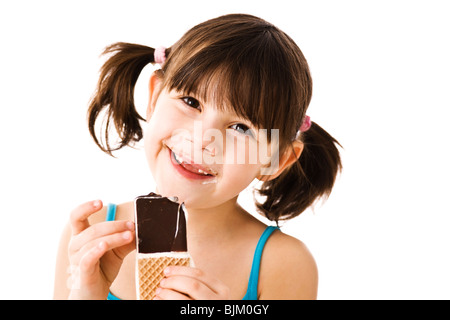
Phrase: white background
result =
(381, 72)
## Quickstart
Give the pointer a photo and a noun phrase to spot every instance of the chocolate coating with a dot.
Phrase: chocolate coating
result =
(160, 224)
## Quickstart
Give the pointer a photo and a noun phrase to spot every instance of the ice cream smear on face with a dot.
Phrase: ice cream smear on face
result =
(190, 159)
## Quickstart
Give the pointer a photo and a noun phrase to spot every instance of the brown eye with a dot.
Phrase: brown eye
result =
(243, 129)
(191, 102)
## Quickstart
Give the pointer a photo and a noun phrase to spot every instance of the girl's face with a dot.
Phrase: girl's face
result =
(202, 155)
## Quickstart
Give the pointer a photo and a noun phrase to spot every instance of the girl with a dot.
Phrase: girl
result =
(233, 76)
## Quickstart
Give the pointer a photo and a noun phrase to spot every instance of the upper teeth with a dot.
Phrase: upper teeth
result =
(176, 158)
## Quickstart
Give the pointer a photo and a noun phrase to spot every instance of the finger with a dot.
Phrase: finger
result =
(79, 216)
(89, 261)
(122, 251)
(100, 247)
(191, 287)
(112, 241)
(89, 265)
(212, 283)
(120, 245)
(167, 294)
(98, 231)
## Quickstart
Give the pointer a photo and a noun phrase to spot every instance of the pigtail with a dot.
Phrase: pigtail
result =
(115, 94)
(307, 180)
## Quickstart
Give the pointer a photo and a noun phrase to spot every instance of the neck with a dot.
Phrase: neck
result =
(217, 222)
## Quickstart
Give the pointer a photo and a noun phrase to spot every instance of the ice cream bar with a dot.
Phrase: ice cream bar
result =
(160, 240)
(161, 224)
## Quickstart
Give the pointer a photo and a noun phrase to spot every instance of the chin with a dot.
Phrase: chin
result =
(183, 194)
(192, 198)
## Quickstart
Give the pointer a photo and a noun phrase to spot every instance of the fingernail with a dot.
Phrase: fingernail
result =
(101, 245)
(96, 204)
(130, 225)
(167, 271)
(158, 290)
(162, 283)
(126, 235)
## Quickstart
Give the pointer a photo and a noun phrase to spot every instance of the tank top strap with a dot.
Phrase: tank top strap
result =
(252, 288)
(111, 216)
(111, 212)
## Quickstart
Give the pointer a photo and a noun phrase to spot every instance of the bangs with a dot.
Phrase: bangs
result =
(223, 84)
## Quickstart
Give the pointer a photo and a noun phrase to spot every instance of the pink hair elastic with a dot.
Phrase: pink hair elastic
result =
(306, 124)
(160, 55)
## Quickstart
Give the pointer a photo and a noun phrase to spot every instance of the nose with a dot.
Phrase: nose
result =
(208, 136)
(201, 141)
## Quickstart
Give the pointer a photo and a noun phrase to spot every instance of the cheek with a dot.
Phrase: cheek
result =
(150, 147)
(241, 164)
(237, 177)
(245, 150)
(154, 133)
(156, 130)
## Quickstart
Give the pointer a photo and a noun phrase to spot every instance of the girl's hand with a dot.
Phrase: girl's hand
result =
(96, 252)
(185, 283)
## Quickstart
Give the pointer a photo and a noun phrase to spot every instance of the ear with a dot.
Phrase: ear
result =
(153, 88)
(289, 157)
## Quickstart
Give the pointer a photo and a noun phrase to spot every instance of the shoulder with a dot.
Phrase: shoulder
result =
(288, 269)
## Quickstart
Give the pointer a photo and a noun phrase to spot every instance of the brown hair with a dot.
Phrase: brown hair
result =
(241, 62)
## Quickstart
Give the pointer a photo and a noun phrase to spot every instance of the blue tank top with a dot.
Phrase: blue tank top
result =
(252, 287)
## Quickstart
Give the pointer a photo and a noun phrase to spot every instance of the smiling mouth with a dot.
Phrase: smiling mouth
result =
(199, 170)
